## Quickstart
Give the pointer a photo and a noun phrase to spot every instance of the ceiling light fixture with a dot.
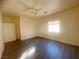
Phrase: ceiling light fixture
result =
(33, 9)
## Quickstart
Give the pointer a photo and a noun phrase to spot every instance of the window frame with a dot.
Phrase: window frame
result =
(52, 28)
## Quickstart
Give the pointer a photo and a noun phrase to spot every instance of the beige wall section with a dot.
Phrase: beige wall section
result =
(69, 26)
(1, 36)
(13, 19)
(27, 26)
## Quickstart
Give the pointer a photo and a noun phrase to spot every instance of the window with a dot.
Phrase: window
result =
(54, 26)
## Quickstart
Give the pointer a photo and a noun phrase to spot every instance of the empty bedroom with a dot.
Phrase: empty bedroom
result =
(39, 29)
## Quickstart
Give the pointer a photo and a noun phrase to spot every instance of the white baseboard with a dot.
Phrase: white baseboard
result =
(63, 41)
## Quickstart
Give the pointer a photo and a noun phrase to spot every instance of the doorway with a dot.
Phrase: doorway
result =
(9, 32)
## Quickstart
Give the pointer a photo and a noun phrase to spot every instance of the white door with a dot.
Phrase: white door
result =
(9, 32)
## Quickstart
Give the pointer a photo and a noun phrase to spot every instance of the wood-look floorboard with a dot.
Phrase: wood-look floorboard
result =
(40, 48)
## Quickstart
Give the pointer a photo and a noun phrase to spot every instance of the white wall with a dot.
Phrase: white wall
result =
(69, 26)
(27, 26)
(1, 36)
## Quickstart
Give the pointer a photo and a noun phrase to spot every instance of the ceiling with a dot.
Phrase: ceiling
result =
(36, 8)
